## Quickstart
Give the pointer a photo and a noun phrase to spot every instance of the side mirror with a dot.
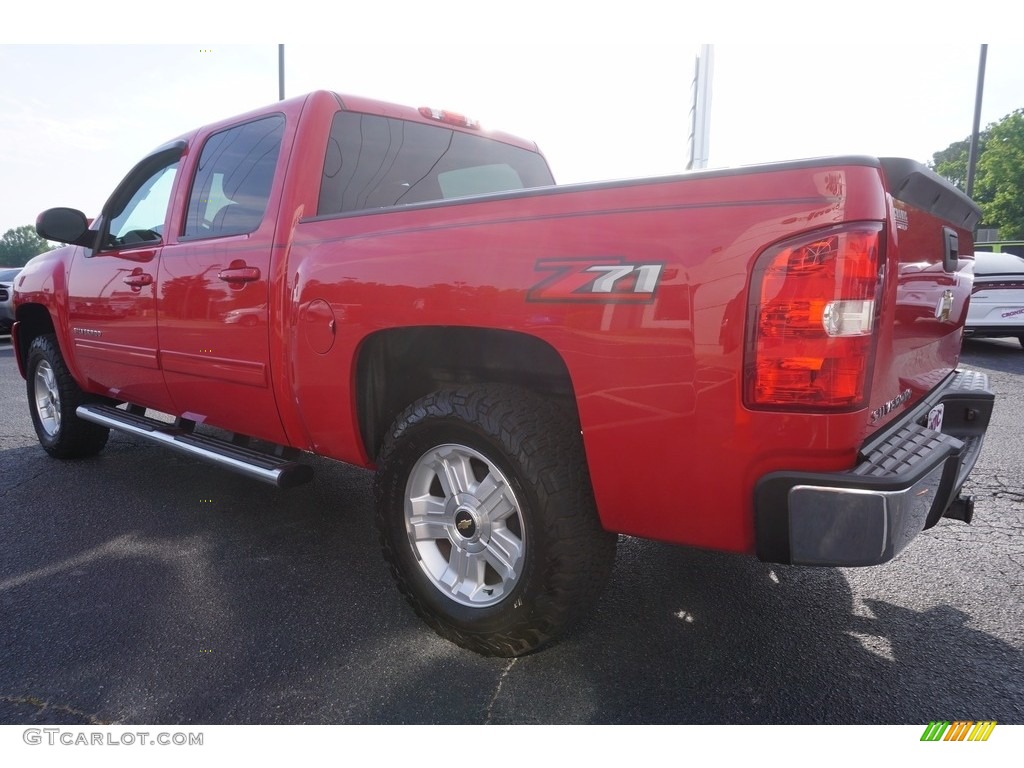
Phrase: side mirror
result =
(64, 225)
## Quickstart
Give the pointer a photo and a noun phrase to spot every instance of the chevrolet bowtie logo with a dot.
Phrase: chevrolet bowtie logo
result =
(464, 525)
(945, 306)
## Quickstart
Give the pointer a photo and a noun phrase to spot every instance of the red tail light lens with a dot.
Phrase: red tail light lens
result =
(813, 309)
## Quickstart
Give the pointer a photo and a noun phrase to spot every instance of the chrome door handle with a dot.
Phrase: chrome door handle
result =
(239, 274)
(137, 281)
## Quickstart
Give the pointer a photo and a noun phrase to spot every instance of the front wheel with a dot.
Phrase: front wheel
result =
(487, 519)
(53, 397)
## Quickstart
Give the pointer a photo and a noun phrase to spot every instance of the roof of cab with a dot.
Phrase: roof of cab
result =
(387, 109)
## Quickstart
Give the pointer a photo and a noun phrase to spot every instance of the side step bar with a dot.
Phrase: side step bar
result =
(270, 469)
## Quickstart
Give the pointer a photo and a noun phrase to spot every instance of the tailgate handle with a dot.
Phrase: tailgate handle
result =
(951, 254)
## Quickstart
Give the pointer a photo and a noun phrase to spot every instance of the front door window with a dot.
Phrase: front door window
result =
(141, 220)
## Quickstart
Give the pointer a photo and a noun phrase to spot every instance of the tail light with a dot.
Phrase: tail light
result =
(814, 306)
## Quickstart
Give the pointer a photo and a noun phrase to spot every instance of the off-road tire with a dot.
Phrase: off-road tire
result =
(53, 397)
(533, 447)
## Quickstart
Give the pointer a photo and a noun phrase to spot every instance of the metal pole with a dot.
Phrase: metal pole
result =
(972, 158)
(700, 123)
(280, 72)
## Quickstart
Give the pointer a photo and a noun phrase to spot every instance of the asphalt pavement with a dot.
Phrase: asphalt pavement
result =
(142, 586)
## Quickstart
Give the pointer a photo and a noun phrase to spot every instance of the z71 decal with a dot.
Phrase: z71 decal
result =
(606, 281)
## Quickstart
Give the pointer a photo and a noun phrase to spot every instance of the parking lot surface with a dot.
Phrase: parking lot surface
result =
(144, 587)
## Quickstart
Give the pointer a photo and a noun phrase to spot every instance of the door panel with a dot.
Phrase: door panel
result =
(214, 338)
(112, 289)
(213, 289)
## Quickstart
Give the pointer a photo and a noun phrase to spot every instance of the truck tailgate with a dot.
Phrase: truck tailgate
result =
(929, 266)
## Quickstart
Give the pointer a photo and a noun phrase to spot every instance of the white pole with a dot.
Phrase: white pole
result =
(700, 110)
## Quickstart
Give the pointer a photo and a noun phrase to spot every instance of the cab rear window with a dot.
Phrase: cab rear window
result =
(373, 162)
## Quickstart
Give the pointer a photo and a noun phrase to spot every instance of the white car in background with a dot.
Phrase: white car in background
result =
(997, 301)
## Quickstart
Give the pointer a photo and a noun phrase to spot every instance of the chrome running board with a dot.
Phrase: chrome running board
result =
(281, 472)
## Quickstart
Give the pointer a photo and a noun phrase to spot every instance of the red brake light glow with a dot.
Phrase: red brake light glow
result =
(813, 308)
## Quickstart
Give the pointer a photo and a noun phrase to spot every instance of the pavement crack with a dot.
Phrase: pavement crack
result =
(22, 482)
(43, 706)
(497, 690)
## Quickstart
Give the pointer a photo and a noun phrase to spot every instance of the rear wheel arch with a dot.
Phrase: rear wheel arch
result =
(396, 367)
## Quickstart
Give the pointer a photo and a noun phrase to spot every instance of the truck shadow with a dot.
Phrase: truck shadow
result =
(697, 637)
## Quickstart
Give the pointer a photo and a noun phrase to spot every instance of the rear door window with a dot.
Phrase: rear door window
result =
(233, 181)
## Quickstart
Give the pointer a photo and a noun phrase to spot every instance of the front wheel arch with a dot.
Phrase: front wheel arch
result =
(33, 320)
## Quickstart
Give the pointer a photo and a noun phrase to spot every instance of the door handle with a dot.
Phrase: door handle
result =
(239, 274)
(138, 280)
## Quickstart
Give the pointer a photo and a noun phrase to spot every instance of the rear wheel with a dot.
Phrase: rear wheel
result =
(53, 396)
(487, 520)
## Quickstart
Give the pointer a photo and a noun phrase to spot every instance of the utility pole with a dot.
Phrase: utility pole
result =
(700, 109)
(972, 158)
(280, 72)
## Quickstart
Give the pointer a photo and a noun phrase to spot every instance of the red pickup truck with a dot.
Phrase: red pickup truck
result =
(760, 360)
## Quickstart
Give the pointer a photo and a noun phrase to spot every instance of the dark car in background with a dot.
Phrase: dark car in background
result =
(7, 276)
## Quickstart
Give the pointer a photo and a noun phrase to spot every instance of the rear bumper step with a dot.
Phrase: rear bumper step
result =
(261, 466)
(905, 480)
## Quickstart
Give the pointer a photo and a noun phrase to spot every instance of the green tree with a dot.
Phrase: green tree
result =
(999, 176)
(951, 163)
(20, 244)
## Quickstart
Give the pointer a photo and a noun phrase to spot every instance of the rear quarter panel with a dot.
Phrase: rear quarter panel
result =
(672, 452)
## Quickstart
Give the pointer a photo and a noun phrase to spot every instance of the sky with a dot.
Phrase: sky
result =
(603, 99)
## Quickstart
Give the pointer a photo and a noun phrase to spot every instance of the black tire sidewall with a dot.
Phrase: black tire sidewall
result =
(74, 438)
(513, 609)
(39, 351)
(534, 440)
